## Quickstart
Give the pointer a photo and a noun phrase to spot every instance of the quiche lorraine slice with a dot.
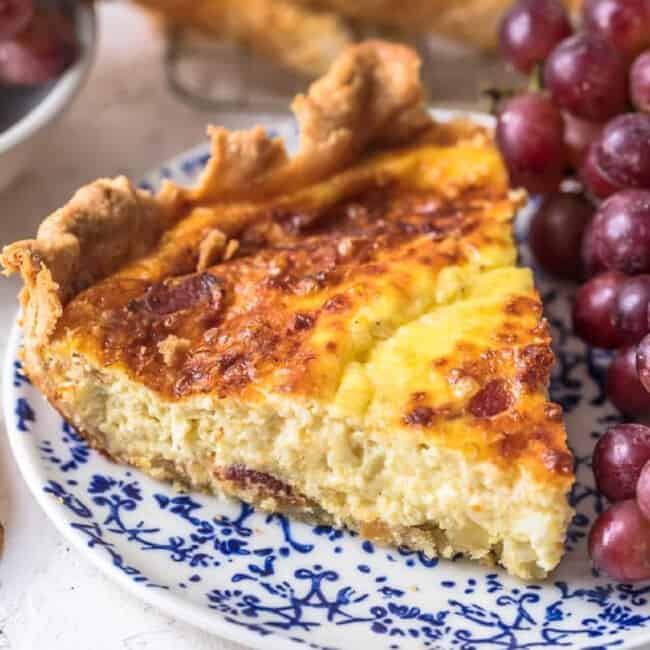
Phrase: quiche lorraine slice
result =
(342, 335)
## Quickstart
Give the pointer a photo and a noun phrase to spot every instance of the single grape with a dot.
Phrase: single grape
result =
(624, 150)
(624, 388)
(643, 361)
(578, 136)
(621, 232)
(14, 17)
(640, 82)
(619, 542)
(530, 30)
(631, 314)
(591, 263)
(587, 77)
(530, 135)
(594, 178)
(593, 310)
(643, 491)
(625, 24)
(618, 457)
(556, 232)
(40, 52)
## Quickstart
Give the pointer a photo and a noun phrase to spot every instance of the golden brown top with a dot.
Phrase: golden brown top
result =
(387, 291)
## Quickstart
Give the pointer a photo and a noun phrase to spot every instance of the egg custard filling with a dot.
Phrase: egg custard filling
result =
(342, 335)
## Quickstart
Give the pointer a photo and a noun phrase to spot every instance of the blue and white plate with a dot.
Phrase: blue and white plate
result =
(270, 582)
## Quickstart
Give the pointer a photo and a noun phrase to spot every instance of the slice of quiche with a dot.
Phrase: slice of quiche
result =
(343, 335)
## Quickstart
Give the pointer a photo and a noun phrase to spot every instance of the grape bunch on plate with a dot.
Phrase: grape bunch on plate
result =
(37, 43)
(580, 136)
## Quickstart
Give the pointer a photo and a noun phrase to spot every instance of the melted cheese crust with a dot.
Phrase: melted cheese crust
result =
(388, 293)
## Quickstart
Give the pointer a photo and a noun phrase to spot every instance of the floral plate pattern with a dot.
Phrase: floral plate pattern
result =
(270, 582)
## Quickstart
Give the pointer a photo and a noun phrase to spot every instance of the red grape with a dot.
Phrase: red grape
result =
(578, 135)
(624, 388)
(621, 232)
(587, 77)
(593, 310)
(530, 133)
(624, 150)
(14, 17)
(40, 52)
(640, 82)
(625, 24)
(591, 263)
(618, 458)
(594, 177)
(556, 232)
(530, 30)
(643, 361)
(619, 542)
(643, 491)
(631, 315)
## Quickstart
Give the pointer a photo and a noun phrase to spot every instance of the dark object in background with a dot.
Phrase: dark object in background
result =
(36, 44)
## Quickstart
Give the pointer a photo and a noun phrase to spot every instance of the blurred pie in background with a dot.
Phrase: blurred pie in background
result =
(306, 35)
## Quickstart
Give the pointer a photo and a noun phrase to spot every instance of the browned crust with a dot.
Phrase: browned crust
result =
(103, 226)
(371, 97)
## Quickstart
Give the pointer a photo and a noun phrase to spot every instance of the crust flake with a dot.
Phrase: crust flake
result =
(371, 97)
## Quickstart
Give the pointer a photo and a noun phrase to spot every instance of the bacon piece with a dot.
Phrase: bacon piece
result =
(492, 399)
(164, 298)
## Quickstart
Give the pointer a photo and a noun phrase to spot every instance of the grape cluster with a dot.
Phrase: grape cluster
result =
(36, 43)
(586, 117)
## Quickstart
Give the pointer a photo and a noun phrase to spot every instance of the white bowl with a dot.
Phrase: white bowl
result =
(18, 141)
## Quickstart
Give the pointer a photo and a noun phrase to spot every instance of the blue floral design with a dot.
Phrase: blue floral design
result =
(522, 617)
(20, 377)
(24, 414)
(78, 450)
(193, 165)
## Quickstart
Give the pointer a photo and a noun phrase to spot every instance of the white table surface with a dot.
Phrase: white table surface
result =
(124, 121)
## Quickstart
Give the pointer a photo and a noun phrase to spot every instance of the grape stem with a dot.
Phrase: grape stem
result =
(496, 96)
(536, 79)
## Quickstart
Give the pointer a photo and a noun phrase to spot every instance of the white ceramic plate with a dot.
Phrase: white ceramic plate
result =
(270, 582)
